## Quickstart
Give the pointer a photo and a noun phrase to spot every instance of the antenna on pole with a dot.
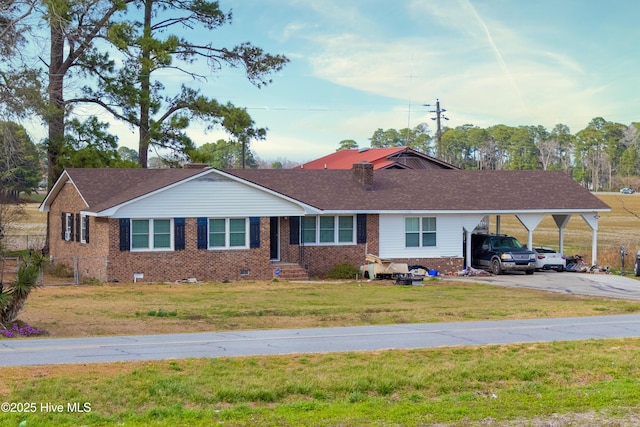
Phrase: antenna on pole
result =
(439, 116)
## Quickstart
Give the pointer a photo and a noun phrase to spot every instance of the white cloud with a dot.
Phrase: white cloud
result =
(485, 67)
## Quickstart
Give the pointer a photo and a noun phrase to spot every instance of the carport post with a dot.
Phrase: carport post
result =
(561, 221)
(592, 220)
(530, 222)
(469, 223)
(594, 246)
(467, 255)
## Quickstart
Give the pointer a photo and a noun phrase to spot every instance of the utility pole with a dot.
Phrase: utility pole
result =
(439, 115)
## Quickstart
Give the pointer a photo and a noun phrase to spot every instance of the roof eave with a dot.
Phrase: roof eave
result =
(465, 211)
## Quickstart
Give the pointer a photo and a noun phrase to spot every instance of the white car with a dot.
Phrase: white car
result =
(626, 190)
(549, 259)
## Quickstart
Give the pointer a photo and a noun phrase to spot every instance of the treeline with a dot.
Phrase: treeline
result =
(142, 64)
(602, 156)
(20, 163)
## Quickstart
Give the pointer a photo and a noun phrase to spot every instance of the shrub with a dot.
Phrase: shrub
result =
(343, 271)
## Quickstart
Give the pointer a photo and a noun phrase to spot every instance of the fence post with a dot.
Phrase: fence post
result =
(76, 279)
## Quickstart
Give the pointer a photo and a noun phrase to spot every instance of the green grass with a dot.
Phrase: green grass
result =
(451, 386)
(168, 308)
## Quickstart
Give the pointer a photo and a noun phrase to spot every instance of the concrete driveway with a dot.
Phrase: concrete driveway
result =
(593, 284)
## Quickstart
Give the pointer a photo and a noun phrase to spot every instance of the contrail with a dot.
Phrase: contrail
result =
(498, 55)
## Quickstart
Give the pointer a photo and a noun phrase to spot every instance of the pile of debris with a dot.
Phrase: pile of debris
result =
(472, 272)
(378, 268)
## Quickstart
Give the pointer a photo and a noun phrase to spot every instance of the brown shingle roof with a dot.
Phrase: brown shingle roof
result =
(393, 189)
(435, 189)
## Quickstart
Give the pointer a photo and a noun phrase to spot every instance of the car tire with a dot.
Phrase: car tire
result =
(529, 272)
(495, 266)
(560, 269)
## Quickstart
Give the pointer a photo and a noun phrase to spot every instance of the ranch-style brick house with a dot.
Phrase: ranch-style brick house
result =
(173, 224)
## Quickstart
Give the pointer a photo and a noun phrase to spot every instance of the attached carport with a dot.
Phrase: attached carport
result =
(531, 220)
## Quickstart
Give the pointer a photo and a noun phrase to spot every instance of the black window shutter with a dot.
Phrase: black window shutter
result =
(86, 229)
(178, 234)
(361, 227)
(71, 235)
(78, 227)
(254, 232)
(294, 230)
(125, 234)
(202, 233)
(64, 224)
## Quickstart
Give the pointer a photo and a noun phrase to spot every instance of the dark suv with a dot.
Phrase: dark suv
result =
(499, 253)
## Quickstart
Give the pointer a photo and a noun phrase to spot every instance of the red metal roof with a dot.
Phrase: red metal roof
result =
(344, 159)
(380, 158)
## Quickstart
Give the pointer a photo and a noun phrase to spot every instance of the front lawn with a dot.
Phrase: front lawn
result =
(120, 309)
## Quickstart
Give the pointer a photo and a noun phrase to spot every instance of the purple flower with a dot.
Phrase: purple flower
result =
(24, 330)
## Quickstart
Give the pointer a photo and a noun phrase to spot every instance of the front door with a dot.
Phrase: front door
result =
(274, 238)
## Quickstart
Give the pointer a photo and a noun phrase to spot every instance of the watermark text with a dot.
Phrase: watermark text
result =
(45, 407)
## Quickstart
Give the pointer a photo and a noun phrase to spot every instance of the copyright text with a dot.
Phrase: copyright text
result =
(33, 407)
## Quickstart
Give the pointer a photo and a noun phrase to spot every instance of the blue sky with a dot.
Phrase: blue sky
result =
(360, 65)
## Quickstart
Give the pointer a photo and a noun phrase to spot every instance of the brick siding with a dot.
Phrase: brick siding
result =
(90, 258)
(101, 258)
(320, 259)
(201, 264)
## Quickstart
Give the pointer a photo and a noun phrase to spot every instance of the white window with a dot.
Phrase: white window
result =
(227, 233)
(420, 232)
(68, 227)
(328, 230)
(151, 234)
(84, 220)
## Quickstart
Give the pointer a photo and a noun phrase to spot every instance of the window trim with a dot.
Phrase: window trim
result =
(421, 232)
(317, 229)
(151, 234)
(228, 233)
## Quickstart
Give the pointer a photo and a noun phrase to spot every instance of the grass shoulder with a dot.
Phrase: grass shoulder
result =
(594, 382)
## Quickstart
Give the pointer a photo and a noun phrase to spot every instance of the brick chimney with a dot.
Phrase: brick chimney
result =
(363, 173)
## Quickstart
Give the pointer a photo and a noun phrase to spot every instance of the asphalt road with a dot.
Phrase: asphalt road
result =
(322, 340)
(365, 338)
